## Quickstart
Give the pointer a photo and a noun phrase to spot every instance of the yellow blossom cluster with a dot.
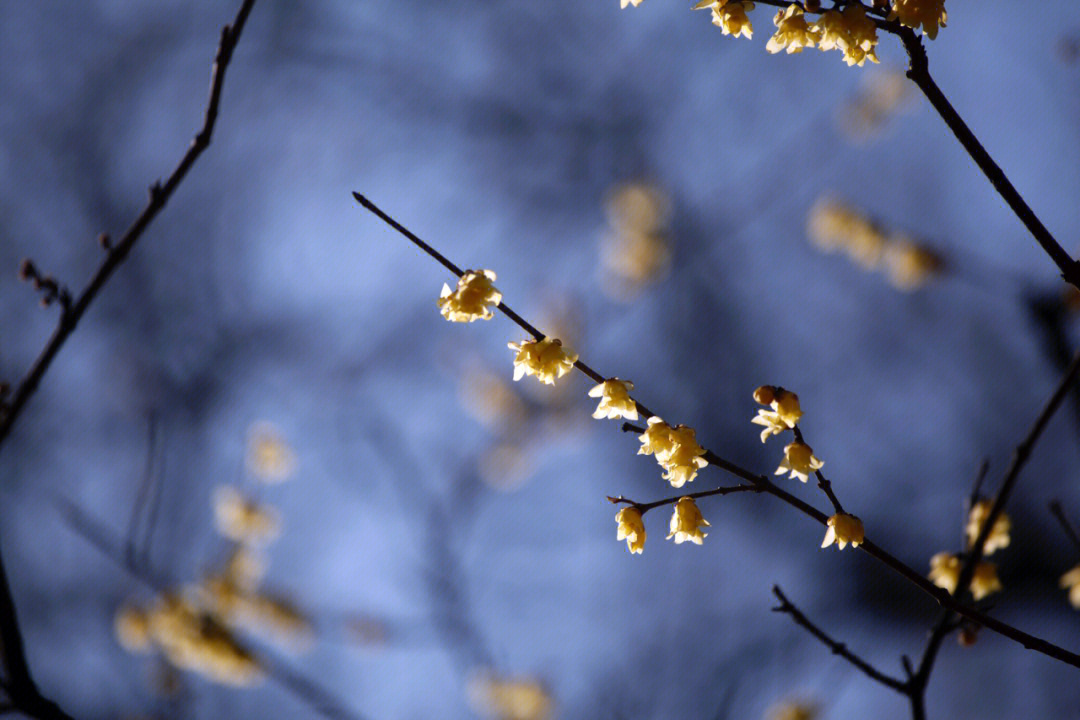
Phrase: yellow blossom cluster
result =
(631, 529)
(269, 457)
(843, 529)
(785, 412)
(615, 400)
(849, 31)
(189, 639)
(908, 265)
(676, 450)
(235, 606)
(945, 573)
(792, 31)
(547, 359)
(686, 522)
(472, 299)
(883, 92)
(928, 14)
(999, 533)
(635, 251)
(792, 710)
(730, 16)
(509, 698)
(243, 520)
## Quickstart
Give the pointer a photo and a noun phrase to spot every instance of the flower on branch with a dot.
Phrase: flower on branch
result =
(999, 533)
(244, 520)
(615, 400)
(546, 359)
(945, 573)
(624, 3)
(792, 32)
(730, 16)
(676, 450)
(471, 299)
(631, 529)
(850, 31)
(843, 529)
(799, 458)
(1071, 581)
(686, 522)
(785, 411)
(929, 14)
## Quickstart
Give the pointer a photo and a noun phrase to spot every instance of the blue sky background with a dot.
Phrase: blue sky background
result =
(495, 129)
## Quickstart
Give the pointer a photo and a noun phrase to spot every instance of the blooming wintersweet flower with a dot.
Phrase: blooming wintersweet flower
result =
(800, 460)
(471, 299)
(860, 38)
(656, 440)
(984, 581)
(1071, 581)
(676, 450)
(774, 425)
(686, 522)
(792, 32)
(999, 533)
(785, 404)
(615, 400)
(547, 359)
(730, 16)
(915, 13)
(631, 529)
(625, 3)
(843, 529)
(945, 571)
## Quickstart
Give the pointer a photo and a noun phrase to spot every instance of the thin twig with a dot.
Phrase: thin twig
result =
(822, 482)
(116, 254)
(646, 507)
(941, 596)
(837, 647)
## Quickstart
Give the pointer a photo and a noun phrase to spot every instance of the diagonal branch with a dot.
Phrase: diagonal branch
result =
(837, 647)
(116, 254)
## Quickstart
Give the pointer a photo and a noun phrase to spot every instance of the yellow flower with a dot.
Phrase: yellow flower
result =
(615, 400)
(945, 571)
(243, 520)
(686, 522)
(470, 299)
(985, 580)
(792, 32)
(785, 411)
(132, 629)
(631, 529)
(843, 529)
(927, 13)
(509, 698)
(546, 359)
(676, 450)
(269, 457)
(999, 534)
(1071, 581)
(800, 460)
(909, 265)
(635, 3)
(850, 31)
(730, 16)
(772, 422)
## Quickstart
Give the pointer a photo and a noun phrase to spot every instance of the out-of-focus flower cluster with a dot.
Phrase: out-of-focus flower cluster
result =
(882, 93)
(792, 710)
(509, 698)
(196, 627)
(635, 251)
(907, 264)
(945, 567)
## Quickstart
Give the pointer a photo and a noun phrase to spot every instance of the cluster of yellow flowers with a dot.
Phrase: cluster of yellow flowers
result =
(799, 459)
(635, 251)
(945, 567)
(195, 629)
(545, 359)
(471, 299)
(849, 30)
(882, 94)
(676, 450)
(509, 698)
(908, 265)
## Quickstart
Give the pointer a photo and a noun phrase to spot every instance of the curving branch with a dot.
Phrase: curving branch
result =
(763, 484)
(72, 309)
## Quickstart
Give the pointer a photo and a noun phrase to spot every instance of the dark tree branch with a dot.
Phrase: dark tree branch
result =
(73, 310)
(767, 486)
(837, 647)
(1068, 527)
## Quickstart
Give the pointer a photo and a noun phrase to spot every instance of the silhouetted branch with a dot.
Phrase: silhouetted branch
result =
(1068, 527)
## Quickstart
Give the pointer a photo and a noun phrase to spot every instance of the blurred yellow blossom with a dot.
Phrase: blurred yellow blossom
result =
(471, 299)
(686, 522)
(792, 32)
(269, 456)
(615, 400)
(631, 529)
(509, 698)
(243, 520)
(929, 14)
(636, 251)
(132, 629)
(800, 460)
(945, 571)
(882, 93)
(676, 450)
(1071, 581)
(843, 529)
(491, 399)
(546, 359)
(245, 568)
(999, 533)
(792, 710)
(730, 16)
(985, 580)
(908, 265)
